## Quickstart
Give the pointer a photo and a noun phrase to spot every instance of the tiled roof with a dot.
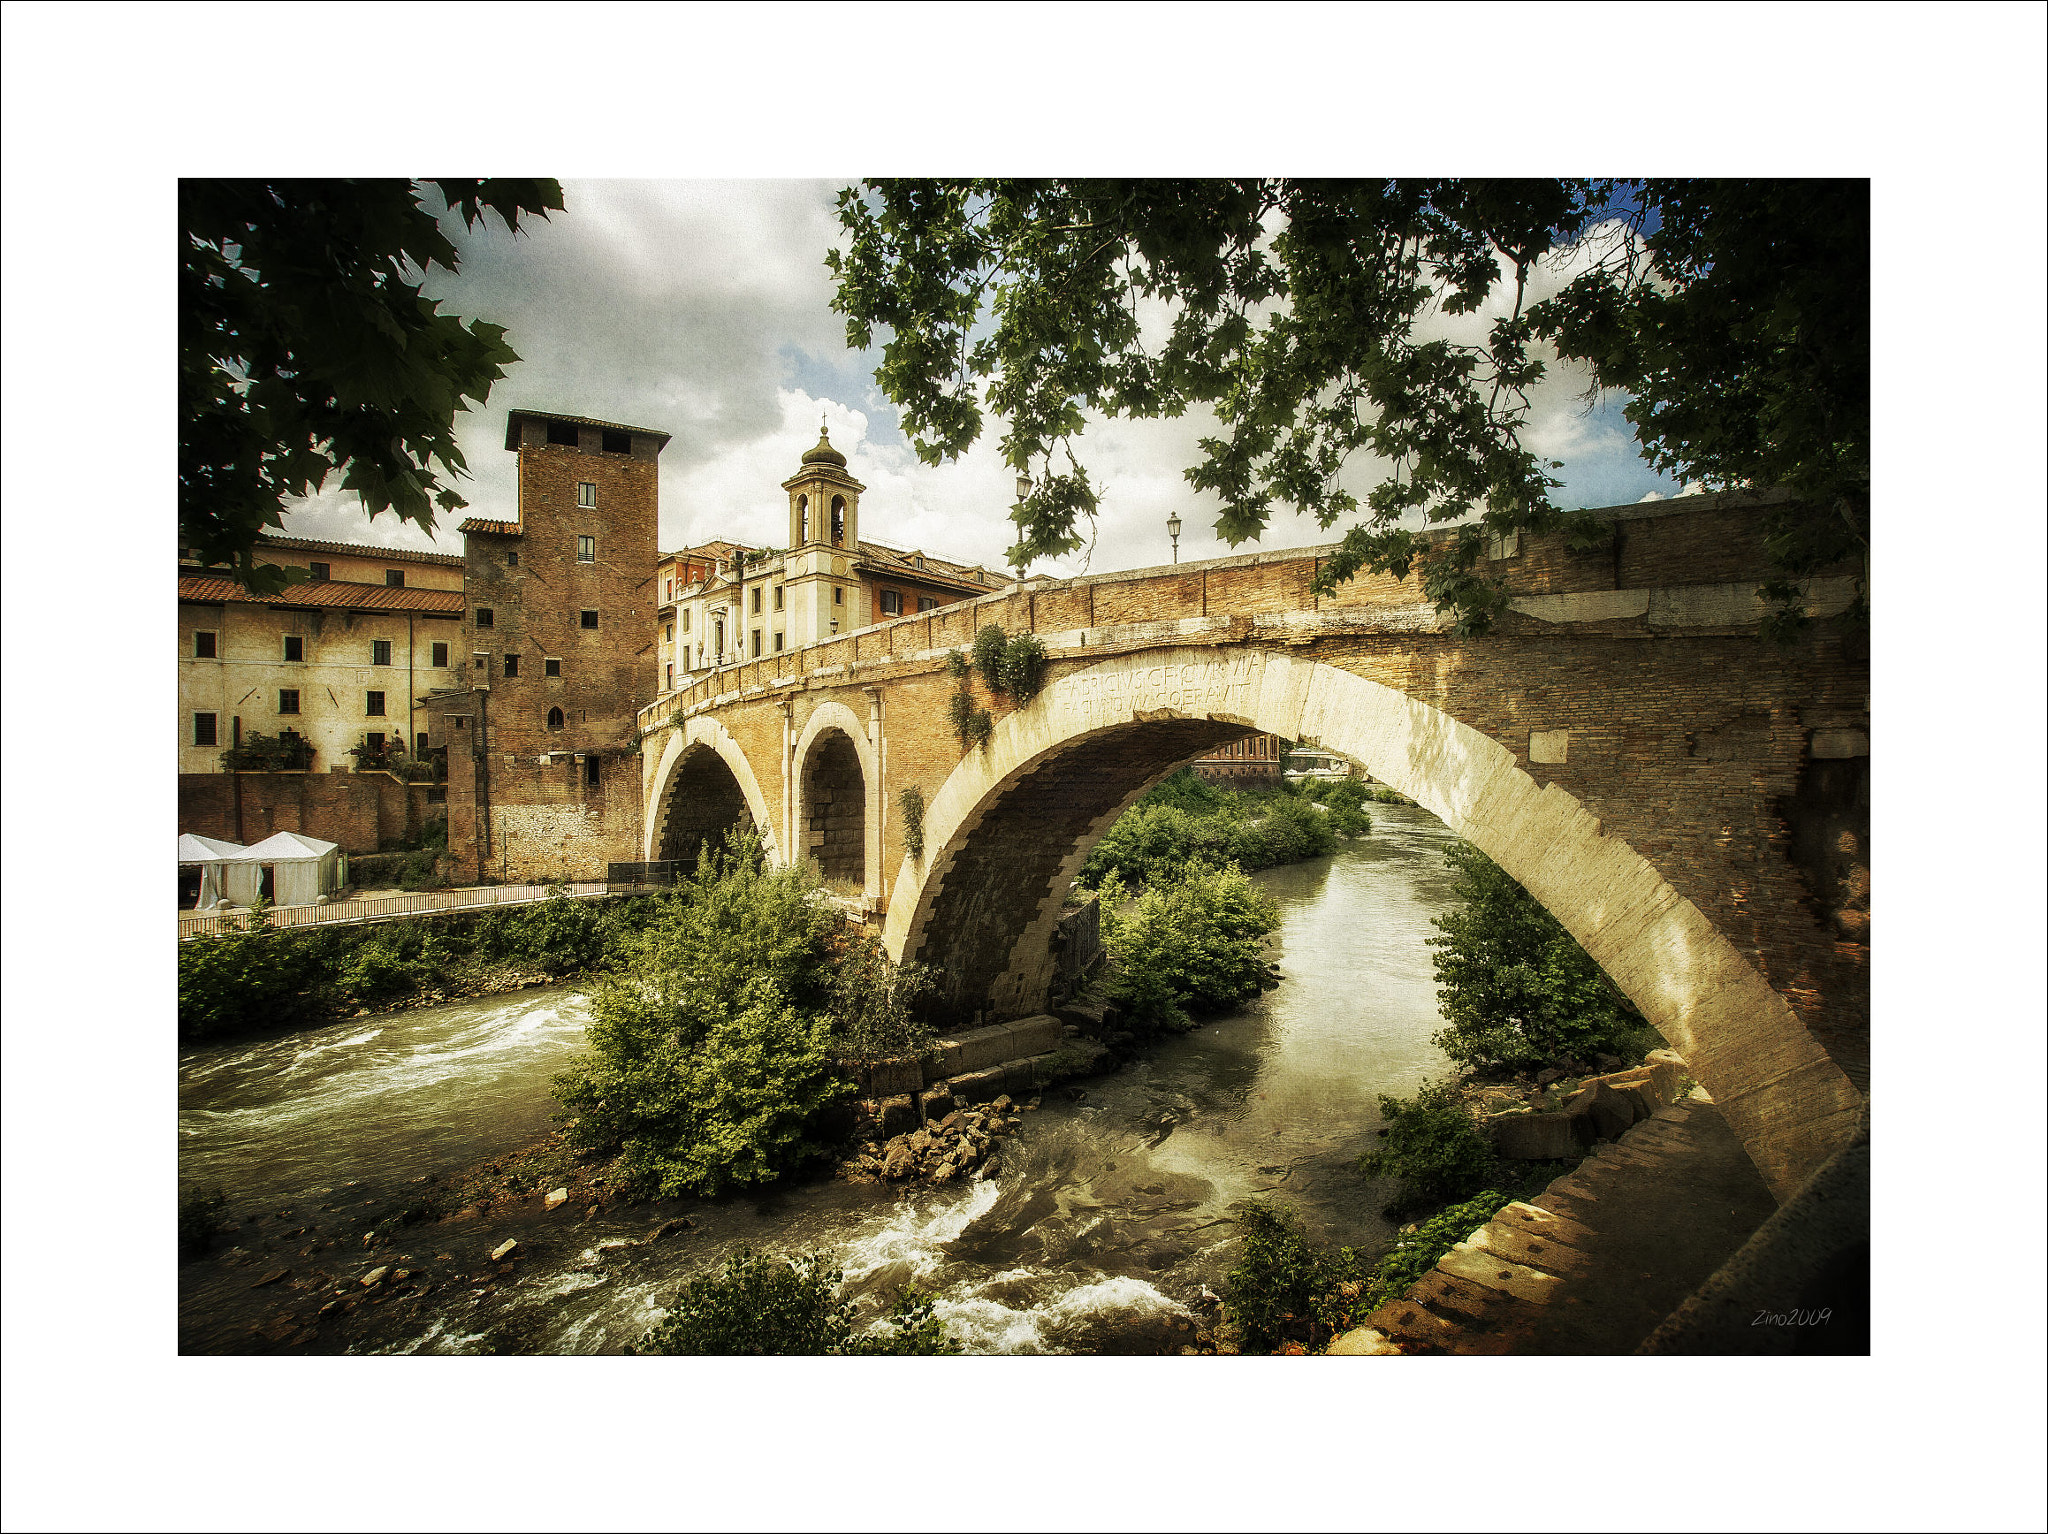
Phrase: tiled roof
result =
(489, 525)
(513, 418)
(943, 569)
(342, 594)
(316, 546)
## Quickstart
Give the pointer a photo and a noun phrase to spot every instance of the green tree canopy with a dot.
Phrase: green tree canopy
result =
(1736, 313)
(306, 347)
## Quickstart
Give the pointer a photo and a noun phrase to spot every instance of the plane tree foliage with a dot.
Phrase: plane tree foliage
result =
(1735, 314)
(306, 348)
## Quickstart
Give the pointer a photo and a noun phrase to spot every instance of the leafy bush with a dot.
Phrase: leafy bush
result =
(957, 665)
(199, 1211)
(240, 977)
(911, 801)
(989, 645)
(1416, 1252)
(872, 1005)
(1022, 671)
(1517, 989)
(1283, 1286)
(258, 752)
(761, 1305)
(1433, 1145)
(1194, 941)
(710, 1050)
(1184, 824)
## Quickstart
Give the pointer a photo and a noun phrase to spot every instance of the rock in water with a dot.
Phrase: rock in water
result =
(374, 1277)
(557, 1198)
(498, 1253)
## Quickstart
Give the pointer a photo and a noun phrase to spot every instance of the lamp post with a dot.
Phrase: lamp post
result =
(1173, 532)
(1023, 495)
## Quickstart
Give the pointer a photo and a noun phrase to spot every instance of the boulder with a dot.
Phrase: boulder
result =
(939, 1101)
(887, 1078)
(1608, 1113)
(374, 1277)
(1670, 1067)
(271, 1278)
(899, 1116)
(1532, 1136)
(556, 1199)
(504, 1249)
(900, 1161)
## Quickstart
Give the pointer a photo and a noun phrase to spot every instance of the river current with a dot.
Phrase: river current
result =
(1105, 1225)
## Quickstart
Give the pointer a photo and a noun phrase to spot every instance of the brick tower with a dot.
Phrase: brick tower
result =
(559, 615)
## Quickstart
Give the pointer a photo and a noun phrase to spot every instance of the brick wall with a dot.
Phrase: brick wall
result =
(360, 811)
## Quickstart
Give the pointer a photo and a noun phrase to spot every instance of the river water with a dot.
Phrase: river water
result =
(1106, 1223)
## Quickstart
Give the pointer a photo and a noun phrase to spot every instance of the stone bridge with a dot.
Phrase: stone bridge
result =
(1689, 800)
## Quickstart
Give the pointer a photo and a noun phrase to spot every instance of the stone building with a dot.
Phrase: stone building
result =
(333, 663)
(558, 639)
(717, 606)
(1255, 761)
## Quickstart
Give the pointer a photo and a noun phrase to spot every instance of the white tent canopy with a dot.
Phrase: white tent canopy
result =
(213, 857)
(304, 869)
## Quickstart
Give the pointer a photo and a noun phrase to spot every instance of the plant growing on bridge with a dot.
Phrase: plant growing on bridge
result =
(1323, 319)
(989, 644)
(910, 804)
(1516, 988)
(973, 724)
(761, 1305)
(1023, 668)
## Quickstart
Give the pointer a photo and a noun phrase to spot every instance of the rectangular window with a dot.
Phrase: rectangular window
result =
(288, 700)
(586, 495)
(205, 730)
(892, 603)
(926, 604)
(511, 665)
(686, 620)
(512, 559)
(757, 644)
(778, 599)
(552, 667)
(670, 684)
(486, 618)
(668, 591)
(561, 434)
(586, 549)
(778, 641)
(668, 633)
(375, 741)
(838, 596)
(380, 652)
(204, 645)
(394, 577)
(320, 571)
(757, 599)
(482, 661)
(440, 655)
(616, 442)
(590, 769)
(373, 705)
(589, 618)
(294, 647)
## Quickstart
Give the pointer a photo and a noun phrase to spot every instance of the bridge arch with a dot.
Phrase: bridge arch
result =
(1011, 825)
(703, 786)
(834, 772)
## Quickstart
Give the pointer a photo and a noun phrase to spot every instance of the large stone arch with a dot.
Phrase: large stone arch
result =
(686, 768)
(1131, 718)
(831, 722)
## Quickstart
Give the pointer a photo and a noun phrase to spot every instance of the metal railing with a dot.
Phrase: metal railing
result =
(389, 907)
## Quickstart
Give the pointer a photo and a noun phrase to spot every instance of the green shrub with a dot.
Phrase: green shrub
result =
(244, 976)
(1183, 824)
(873, 1002)
(1284, 1286)
(1516, 988)
(1433, 1145)
(761, 1305)
(1023, 668)
(710, 1049)
(989, 645)
(1191, 942)
(200, 1210)
(957, 665)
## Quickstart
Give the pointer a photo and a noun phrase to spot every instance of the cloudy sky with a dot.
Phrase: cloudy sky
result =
(702, 308)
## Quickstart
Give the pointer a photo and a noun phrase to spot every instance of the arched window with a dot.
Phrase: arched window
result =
(803, 519)
(554, 719)
(839, 519)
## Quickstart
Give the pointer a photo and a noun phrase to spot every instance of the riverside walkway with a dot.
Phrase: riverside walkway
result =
(375, 908)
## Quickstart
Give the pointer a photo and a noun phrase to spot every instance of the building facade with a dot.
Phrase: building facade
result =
(558, 626)
(332, 664)
(719, 606)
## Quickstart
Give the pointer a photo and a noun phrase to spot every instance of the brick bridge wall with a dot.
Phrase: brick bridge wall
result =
(1690, 801)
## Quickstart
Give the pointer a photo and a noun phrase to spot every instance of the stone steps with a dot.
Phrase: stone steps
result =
(1594, 1262)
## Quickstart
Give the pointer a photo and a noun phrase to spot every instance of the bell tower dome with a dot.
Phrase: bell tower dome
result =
(824, 500)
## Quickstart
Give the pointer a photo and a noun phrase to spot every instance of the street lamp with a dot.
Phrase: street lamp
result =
(1023, 495)
(1173, 532)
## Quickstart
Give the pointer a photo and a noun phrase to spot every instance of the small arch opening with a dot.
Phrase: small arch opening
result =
(839, 520)
(803, 519)
(835, 797)
(554, 719)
